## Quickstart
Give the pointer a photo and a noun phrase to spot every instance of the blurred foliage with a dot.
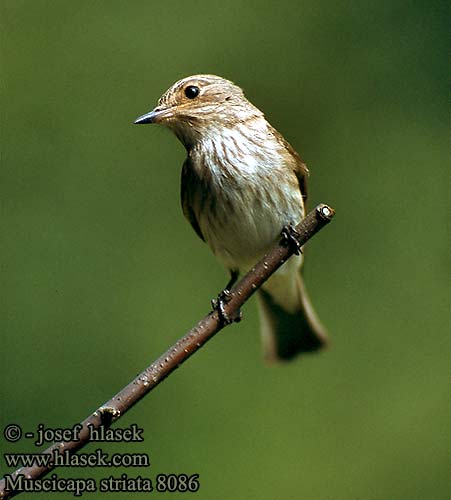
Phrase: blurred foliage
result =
(100, 272)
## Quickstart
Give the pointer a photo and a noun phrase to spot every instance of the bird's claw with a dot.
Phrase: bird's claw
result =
(290, 238)
(218, 305)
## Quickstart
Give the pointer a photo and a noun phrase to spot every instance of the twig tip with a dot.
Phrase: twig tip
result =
(325, 211)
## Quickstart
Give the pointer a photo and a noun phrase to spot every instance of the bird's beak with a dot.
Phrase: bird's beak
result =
(153, 116)
(147, 118)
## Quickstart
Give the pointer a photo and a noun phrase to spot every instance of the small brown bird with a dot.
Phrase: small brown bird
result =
(242, 182)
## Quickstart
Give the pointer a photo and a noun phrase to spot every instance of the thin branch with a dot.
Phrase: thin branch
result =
(113, 409)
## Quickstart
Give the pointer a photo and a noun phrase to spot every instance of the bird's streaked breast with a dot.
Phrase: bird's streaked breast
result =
(244, 193)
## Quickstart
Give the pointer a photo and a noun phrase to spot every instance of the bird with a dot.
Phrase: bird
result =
(241, 183)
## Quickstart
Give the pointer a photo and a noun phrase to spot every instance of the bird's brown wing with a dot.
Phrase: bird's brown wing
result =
(299, 167)
(301, 171)
(188, 183)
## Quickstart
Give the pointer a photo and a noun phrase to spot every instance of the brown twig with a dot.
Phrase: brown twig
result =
(113, 409)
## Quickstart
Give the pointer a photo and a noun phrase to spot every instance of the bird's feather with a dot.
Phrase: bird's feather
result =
(186, 191)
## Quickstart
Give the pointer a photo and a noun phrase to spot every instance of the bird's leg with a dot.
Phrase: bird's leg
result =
(232, 280)
(290, 239)
(222, 299)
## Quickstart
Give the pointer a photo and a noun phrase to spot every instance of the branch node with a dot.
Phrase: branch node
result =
(107, 414)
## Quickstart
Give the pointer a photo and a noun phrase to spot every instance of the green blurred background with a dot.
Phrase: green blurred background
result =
(100, 272)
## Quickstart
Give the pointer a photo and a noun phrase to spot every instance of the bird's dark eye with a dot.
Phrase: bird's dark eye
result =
(192, 91)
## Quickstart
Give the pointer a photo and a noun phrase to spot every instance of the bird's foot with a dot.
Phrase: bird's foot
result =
(218, 305)
(290, 239)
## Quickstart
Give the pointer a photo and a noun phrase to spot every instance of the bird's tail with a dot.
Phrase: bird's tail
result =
(289, 323)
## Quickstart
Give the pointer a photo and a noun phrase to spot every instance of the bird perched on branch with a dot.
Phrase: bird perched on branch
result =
(242, 182)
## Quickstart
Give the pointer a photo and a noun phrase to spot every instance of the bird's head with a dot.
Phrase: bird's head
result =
(200, 105)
